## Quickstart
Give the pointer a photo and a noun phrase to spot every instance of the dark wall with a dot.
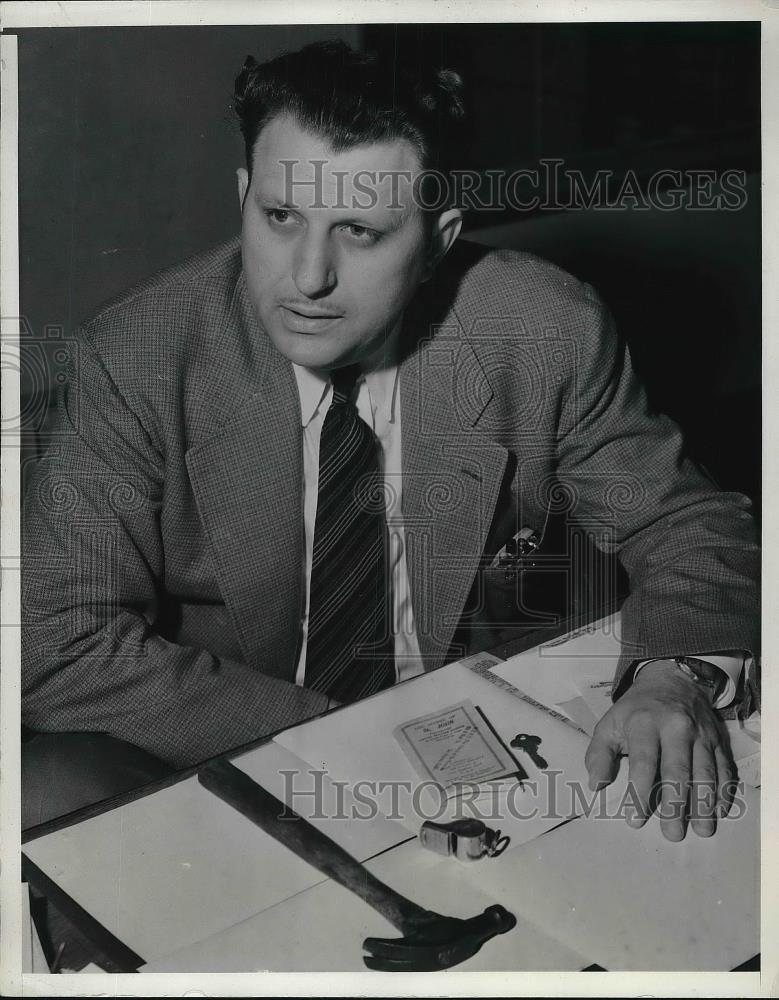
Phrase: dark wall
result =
(600, 94)
(127, 154)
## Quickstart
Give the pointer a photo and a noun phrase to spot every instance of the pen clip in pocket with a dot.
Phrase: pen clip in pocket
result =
(524, 544)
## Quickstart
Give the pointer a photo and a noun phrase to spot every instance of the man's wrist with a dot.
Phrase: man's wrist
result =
(669, 669)
(704, 674)
(730, 665)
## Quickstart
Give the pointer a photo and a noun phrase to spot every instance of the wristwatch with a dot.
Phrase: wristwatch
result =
(703, 673)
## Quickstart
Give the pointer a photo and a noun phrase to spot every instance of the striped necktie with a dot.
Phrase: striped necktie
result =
(349, 653)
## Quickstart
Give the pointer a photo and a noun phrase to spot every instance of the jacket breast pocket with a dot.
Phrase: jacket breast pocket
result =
(523, 585)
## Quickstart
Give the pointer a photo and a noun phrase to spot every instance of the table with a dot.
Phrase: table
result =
(87, 939)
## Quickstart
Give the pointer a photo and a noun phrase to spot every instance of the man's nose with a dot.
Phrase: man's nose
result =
(314, 273)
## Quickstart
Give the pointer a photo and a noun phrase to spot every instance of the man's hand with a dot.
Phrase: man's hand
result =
(665, 719)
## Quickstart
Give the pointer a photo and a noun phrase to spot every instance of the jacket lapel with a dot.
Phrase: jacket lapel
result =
(452, 475)
(247, 478)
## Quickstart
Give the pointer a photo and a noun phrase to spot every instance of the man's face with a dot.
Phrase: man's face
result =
(329, 283)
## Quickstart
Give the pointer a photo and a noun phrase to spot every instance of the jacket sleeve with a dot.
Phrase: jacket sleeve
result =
(93, 562)
(690, 549)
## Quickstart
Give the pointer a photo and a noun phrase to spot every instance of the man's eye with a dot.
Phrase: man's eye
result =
(362, 233)
(278, 215)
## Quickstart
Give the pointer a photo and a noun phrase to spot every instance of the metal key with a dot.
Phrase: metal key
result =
(530, 745)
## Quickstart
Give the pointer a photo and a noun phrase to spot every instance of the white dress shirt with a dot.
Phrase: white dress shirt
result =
(378, 404)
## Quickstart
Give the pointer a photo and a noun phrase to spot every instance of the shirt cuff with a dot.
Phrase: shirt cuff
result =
(730, 663)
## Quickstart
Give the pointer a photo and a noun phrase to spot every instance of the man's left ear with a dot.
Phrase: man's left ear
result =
(446, 229)
(242, 174)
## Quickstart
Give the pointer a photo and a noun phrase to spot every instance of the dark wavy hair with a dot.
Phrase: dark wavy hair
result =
(352, 98)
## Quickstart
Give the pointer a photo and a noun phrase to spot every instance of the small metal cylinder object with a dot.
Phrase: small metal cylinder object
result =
(464, 839)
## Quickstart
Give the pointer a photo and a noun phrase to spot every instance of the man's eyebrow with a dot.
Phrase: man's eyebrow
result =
(397, 219)
(271, 200)
(389, 224)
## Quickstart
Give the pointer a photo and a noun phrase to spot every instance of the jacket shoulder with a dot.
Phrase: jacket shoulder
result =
(513, 284)
(533, 314)
(172, 294)
(160, 331)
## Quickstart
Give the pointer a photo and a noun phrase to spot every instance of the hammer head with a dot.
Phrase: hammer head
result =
(435, 942)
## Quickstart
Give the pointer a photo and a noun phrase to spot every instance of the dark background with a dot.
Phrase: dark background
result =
(128, 148)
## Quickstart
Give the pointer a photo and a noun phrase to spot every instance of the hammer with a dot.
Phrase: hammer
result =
(430, 940)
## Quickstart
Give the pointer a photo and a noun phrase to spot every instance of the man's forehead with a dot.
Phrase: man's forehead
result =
(284, 138)
(289, 158)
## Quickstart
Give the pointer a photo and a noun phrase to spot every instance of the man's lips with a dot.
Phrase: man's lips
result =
(302, 318)
(311, 311)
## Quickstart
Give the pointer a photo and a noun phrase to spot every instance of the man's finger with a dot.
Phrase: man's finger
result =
(703, 791)
(727, 774)
(643, 757)
(602, 758)
(676, 743)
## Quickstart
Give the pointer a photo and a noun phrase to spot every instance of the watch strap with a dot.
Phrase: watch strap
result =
(703, 673)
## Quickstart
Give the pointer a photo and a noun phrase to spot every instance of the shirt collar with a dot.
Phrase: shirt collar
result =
(312, 389)
(381, 374)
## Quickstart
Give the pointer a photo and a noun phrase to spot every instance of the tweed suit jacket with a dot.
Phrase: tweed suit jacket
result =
(163, 533)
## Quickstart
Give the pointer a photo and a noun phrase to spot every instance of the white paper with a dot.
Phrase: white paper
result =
(579, 711)
(326, 805)
(562, 711)
(180, 865)
(745, 746)
(382, 771)
(633, 901)
(557, 672)
(300, 935)
(480, 660)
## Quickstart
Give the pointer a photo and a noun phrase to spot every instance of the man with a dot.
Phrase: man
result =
(285, 470)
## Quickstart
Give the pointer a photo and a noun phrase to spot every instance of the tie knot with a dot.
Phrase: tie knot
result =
(344, 381)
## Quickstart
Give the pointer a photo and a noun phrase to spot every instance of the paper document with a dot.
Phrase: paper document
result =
(325, 803)
(172, 868)
(455, 745)
(558, 673)
(356, 745)
(595, 692)
(300, 935)
(634, 901)
(745, 746)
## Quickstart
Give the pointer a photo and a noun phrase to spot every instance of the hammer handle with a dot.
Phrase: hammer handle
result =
(236, 788)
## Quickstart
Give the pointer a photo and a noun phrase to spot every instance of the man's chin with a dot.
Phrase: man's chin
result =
(310, 350)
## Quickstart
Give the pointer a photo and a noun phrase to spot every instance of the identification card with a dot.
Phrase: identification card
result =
(456, 745)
